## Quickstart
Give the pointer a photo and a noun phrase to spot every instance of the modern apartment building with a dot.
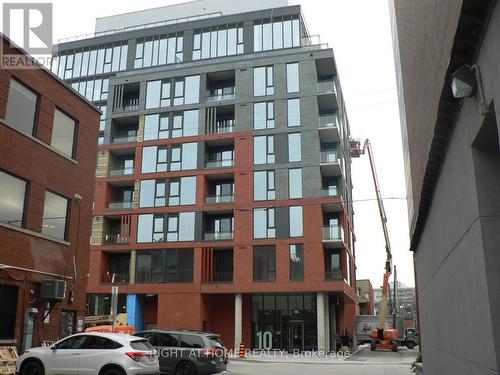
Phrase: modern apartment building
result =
(452, 164)
(223, 183)
(48, 136)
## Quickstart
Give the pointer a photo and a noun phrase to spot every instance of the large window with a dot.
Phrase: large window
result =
(296, 262)
(263, 149)
(93, 90)
(158, 94)
(21, 107)
(218, 41)
(13, 193)
(295, 183)
(292, 77)
(55, 213)
(263, 223)
(63, 133)
(187, 90)
(333, 268)
(293, 111)
(182, 157)
(264, 263)
(281, 33)
(170, 227)
(296, 221)
(294, 147)
(173, 192)
(263, 186)
(263, 81)
(263, 115)
(164, 266)
(8, 311)
(158, 50)
(172, 125)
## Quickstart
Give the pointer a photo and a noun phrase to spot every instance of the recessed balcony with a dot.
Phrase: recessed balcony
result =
(329, 128)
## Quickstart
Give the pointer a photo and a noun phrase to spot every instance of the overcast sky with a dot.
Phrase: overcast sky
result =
(360, 34)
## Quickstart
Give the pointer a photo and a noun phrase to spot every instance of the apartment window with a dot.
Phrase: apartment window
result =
(292, 77)
(13, 193)
(63, 133)
(187, 90)
(295, 183)
(263, 186)
(157, 94)
(189, 156)
(164, 266)
(172, 227)
(263, 81)
(293, 110)
(185, 124)
(179, 124)
(55, 213)
(156, 126)
(263, 223)
(296, 221)
(21, 107)
(263, 115)
(296, 262)
(348, 267)
(182, 157)
(93, 90)
(217, 41)
(263, 150)
(264, 263)
(333, 266)
(180, 191)
(174, 197)
(281, 33)
(158, 50)
(294, 147)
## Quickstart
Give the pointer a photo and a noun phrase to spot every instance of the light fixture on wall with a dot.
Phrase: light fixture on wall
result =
(466, 80)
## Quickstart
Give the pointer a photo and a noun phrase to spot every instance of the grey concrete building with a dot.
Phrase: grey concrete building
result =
(223, 183)
(452, 163)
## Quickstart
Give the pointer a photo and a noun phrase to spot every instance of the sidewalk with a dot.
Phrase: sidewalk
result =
(276, 356)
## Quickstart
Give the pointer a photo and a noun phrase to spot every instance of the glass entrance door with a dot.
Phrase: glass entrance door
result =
(296, 335)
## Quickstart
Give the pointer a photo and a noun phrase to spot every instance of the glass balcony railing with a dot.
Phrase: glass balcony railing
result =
(221, 97)
(330, 156)
(334, 275)
(212, 199)
(327, 86)
(328, 121)
(224, 163)
(115, 239)
(217, 236)
(331, 191)
(333, 232)
(128, 138)
(120, 205)
(121, 172)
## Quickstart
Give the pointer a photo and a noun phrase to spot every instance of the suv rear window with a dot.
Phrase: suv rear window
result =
(141, 345)
(215, 341)
(192, 341)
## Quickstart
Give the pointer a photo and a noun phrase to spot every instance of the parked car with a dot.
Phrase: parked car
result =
(183, 352)
(90, 354)
(411, 338)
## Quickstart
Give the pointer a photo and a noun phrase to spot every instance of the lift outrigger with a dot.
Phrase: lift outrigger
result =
(382, 338)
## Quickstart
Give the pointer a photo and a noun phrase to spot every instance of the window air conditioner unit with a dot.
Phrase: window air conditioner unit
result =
(53, 290)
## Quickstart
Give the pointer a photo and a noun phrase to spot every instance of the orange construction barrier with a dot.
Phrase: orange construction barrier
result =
(109, 328)
(242, 350)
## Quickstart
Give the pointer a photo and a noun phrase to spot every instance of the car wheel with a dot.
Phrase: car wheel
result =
(410, 344)
(185, 368)
(113, 371)
(32, 368)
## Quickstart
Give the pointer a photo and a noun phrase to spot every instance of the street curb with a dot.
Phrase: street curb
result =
(340, 362)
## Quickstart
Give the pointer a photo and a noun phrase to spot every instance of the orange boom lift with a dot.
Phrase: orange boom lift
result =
(382, 338)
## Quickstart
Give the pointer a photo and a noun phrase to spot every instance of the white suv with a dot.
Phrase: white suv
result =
(92, 354)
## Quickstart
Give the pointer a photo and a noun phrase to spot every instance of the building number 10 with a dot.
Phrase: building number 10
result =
(265, 340)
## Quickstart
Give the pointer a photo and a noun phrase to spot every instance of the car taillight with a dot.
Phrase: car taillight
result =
(136, 356)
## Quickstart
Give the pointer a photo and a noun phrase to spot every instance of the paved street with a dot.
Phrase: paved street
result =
(362, 362)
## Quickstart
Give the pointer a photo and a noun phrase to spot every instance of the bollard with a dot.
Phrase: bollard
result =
(242, 350)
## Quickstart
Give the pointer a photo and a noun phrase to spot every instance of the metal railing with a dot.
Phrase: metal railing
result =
(331, 156)
(224, 163)
(119, 278)
(121, 172)
(221, 97)
(141, 26)
(120, 205)
(226, 198)
(220, 277)
(216, 236)
(333, 232)
(328, 121)
(334, 275)
(115, 239)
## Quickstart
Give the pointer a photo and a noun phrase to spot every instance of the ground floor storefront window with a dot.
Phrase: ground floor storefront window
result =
(8, 311)
(284, 321)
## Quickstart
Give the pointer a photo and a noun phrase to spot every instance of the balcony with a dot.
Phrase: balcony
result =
(333, 236)
(115, 239)
(124, 138)
(222, 96)
(219, 119)
(126, 97)
(220, 86)
(330, 163)
(120, 172)
(329, 129)
(220, 278)
(218, 236)
(334, 275)
(120, 205)
(118, 278)
(224, 163)
(331, 191)
(327, 86)
(215, 199)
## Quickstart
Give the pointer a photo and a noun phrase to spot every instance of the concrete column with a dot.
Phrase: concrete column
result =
(320, 311)
(327, 322)
(238, 320)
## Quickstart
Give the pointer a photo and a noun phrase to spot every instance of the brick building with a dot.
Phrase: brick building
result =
(366, 298)
(223, 181)
(48, 140)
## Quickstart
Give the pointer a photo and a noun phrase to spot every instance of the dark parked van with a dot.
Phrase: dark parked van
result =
(183, 352)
